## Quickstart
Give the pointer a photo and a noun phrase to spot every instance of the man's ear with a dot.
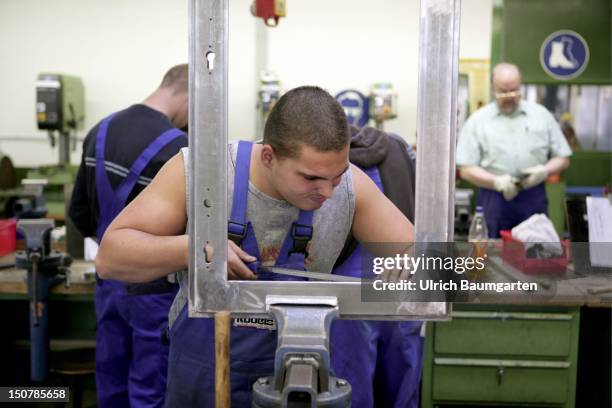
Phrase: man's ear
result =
(267, 155)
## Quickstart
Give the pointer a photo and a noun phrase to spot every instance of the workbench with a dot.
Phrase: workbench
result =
(72, 322)
(13, 283)
(517, 354)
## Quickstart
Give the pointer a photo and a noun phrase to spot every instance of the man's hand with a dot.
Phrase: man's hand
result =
(236, 258)
(507, 185)
(534, 176)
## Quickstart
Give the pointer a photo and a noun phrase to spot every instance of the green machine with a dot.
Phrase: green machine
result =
(60, 110)
(60, 107)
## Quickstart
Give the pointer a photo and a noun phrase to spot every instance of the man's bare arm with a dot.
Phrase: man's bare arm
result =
(557, 164)
(147, 239)
(478, 176)
(377, 219)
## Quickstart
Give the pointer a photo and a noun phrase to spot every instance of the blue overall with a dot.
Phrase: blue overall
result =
(191, 381)
(388, 370)
(131, 361)
(504, 215)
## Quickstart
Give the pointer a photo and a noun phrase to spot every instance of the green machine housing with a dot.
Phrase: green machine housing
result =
(60, 102)
(60, 108)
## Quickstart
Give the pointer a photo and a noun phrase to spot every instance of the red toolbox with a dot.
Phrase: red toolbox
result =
(513, 252)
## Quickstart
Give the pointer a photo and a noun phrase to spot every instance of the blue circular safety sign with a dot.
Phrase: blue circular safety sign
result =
(355, 105)
(564, 54)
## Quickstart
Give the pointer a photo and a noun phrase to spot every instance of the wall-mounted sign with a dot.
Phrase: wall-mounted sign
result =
(355, 105)
(564, 54)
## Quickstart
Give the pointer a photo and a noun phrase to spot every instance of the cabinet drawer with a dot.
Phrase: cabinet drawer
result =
(487, 380)
(499, 333)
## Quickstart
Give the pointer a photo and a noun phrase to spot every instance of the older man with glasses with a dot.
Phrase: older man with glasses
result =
(508, 148)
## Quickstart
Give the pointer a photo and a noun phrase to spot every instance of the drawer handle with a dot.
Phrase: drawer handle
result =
(511, 315)
(500, 375)
(487, 362)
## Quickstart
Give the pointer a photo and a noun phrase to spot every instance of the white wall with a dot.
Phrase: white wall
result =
(344, 44)
(475, 36)
(121, 48)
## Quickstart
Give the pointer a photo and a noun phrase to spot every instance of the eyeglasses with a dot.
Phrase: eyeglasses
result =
(510, 94)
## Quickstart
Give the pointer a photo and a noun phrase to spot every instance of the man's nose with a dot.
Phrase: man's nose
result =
(326, 189)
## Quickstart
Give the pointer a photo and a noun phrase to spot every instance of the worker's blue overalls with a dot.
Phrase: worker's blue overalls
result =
(387, 371)
(505, 215)
(191, 381)
(131, 360)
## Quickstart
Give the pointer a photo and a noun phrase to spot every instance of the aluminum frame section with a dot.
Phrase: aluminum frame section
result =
(209, 289)
(437, 120)
(207, 203)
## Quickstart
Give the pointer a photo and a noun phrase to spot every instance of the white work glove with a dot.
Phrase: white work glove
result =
(533, 176)
(507, 185)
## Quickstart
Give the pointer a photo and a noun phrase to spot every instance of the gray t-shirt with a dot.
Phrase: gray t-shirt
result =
(271, 219)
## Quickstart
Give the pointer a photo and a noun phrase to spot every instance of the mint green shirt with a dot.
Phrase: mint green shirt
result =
(507, 144)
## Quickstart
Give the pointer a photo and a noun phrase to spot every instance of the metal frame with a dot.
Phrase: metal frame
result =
(209, 289)
(437, 119)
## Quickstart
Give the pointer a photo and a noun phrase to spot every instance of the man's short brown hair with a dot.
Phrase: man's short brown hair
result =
(306, 115)
(177, 78)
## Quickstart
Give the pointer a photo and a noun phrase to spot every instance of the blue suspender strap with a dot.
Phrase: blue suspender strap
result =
(301, 233)
(127, 185)
(294, 250)
(239, 229)
(104, 190)
(101, 178)
(237, 224)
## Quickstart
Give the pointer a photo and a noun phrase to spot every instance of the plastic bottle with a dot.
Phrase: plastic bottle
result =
(478, 237)
(478, 228)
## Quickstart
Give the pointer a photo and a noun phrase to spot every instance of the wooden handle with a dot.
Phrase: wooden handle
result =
(222, 360)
